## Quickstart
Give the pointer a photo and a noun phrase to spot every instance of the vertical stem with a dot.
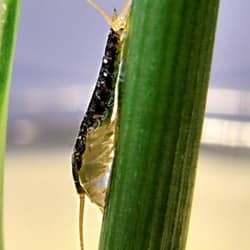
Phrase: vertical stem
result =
(166, 69)
(9, 13)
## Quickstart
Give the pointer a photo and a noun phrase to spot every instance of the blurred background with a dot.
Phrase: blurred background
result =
(59, 49)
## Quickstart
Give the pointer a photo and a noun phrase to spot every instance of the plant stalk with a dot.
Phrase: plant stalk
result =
(9, 15)
(166, 69)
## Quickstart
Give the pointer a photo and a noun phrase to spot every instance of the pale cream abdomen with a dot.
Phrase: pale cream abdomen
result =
(97, 162)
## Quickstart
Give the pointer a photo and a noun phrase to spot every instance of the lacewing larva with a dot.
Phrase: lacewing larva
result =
(93, 151)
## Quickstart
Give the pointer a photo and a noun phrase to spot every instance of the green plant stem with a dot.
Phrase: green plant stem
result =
(166, 68)
(9, 13)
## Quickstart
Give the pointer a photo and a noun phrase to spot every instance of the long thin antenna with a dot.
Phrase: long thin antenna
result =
(81, 222)
(118, 22)
(126, 8)
(101, 11)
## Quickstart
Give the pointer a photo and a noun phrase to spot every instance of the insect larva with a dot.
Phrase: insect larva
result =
(94, 147)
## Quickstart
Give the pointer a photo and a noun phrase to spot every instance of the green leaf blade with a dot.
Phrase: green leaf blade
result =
(9, 15)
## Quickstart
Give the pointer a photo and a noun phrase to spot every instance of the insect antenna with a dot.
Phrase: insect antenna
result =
(118, 22)
(125, 9)
(101, 11)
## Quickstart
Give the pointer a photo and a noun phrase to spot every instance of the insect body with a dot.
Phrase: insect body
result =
(98, 115)
(94, 147)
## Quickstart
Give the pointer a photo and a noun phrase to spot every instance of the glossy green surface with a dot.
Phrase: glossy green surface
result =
(9, 13)
(163, 98)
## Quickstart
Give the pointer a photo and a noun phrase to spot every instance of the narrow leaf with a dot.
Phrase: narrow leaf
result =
(9, 13)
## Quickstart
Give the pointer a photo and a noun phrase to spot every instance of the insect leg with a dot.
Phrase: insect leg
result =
(75, 173)
(81, 222)
(81, 192)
